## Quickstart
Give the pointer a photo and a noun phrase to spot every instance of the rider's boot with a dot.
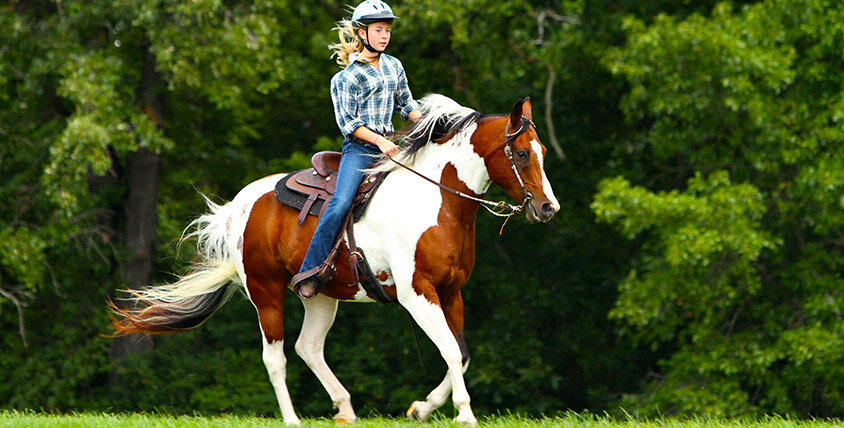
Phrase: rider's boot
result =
(308, 288)
(308, 283)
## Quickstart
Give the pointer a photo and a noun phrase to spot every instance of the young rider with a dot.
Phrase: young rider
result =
(371, 86)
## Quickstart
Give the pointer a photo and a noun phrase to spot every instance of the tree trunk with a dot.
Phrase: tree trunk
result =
(138, 234)
(138, 219)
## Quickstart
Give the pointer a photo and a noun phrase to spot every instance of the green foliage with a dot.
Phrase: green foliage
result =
(742, 280)
(694, 266)
(699, 257)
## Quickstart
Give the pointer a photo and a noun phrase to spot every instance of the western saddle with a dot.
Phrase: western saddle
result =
(309, 191)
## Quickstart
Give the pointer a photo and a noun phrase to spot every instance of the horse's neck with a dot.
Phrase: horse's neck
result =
(455, 164)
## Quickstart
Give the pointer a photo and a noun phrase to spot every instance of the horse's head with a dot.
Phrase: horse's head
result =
(515, 161)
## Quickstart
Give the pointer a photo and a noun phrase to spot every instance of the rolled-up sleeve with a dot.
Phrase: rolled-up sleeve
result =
(345, 99)
(404, 99)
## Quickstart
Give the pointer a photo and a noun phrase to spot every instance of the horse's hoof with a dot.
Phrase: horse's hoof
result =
(412, 413)
(466, 422)
(292, 422)
(418, 411)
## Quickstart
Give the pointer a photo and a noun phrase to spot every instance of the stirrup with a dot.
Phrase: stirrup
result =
(320, 274)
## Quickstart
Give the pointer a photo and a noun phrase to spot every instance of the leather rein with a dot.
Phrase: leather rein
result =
(500, 208)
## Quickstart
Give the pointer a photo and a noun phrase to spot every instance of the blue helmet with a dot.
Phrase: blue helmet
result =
(370, 11)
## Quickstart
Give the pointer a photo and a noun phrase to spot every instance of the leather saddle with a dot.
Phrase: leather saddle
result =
(310, 189)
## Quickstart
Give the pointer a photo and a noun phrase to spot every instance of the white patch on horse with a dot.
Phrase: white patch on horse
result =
(405, 205)
(276, 364)
(546, 185)
(470, 166)
(362, 297)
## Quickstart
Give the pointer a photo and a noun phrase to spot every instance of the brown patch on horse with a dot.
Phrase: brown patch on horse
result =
(453, 311)
(266, 280)
(445, 253)
(276, 243)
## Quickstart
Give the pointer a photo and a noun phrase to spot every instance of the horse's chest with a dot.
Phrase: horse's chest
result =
(394, 223)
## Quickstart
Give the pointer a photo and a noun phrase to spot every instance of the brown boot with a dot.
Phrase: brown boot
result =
(308, 288)
(308, 283)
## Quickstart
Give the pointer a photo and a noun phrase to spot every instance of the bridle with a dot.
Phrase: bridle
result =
(500, 208)
(524, 125)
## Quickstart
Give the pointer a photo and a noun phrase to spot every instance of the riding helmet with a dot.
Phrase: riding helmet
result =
(370, 11)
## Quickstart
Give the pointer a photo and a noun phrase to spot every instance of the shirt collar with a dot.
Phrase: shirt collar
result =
(355, 56)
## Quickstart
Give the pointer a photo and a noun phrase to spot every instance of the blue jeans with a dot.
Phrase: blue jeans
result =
(356, 156)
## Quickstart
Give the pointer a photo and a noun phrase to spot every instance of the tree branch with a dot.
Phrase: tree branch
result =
(549, 121)
(19, 305)
(540, 21)
(549, 91)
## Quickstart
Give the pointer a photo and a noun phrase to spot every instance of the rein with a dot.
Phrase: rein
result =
(500, 208)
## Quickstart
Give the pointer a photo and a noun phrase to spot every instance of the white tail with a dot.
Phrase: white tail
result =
(190, 300)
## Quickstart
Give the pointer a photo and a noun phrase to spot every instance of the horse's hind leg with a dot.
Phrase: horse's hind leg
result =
(453, 311)
(268, 298)
(319, 317)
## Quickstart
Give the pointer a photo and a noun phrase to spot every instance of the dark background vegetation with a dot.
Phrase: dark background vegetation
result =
(695, 147)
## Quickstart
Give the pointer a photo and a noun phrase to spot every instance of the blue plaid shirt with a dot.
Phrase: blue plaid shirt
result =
(367, 96)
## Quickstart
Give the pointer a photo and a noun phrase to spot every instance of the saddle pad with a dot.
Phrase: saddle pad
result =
(297, 200)
(293, 199)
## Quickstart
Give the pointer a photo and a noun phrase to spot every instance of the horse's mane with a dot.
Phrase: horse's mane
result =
(442, 118)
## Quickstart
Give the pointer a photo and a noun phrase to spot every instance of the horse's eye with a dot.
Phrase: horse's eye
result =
(522, 154)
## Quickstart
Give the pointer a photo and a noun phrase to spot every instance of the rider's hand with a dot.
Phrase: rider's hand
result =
(415, 115)
(387, 147)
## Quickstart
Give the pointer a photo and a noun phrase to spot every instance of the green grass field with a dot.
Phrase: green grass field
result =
(33, 419)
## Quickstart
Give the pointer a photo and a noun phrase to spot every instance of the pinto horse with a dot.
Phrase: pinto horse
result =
(418, 238)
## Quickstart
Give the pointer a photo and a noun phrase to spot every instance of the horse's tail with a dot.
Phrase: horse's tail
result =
(188, 302)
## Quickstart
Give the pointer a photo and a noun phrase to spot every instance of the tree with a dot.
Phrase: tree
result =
(739, 268)
(109, 83)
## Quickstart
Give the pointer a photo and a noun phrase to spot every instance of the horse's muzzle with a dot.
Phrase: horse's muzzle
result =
(542, 214)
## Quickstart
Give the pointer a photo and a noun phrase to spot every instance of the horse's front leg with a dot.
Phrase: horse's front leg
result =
(424, 306)
(319, 317)
(453, 310)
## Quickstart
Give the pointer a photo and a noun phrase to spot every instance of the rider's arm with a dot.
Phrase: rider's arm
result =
(405, 104)
(387, 147)
(344, 96)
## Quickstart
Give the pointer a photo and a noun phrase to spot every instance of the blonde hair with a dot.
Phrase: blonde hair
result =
(349, 42)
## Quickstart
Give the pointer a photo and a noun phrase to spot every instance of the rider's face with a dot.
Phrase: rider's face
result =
(377, 35)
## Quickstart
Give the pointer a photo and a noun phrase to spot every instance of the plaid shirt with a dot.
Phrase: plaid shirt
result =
(367, 96)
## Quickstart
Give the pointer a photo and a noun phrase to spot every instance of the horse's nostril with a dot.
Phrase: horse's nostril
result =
(548, 208)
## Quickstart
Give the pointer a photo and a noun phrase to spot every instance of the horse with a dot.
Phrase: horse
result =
(419, 240)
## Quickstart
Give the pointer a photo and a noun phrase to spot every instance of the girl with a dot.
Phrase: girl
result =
(371, 86)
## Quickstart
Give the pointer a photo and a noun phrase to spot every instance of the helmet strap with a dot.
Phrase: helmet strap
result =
(366, 44)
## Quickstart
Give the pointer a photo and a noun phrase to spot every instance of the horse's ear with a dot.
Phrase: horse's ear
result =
(516, 114)
(521, 108)
(527, 111)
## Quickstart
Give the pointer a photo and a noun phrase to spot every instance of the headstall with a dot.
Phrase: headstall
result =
(509, 138)
(501, 208)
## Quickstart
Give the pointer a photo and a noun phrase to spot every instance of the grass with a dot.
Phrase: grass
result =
(568, 420)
